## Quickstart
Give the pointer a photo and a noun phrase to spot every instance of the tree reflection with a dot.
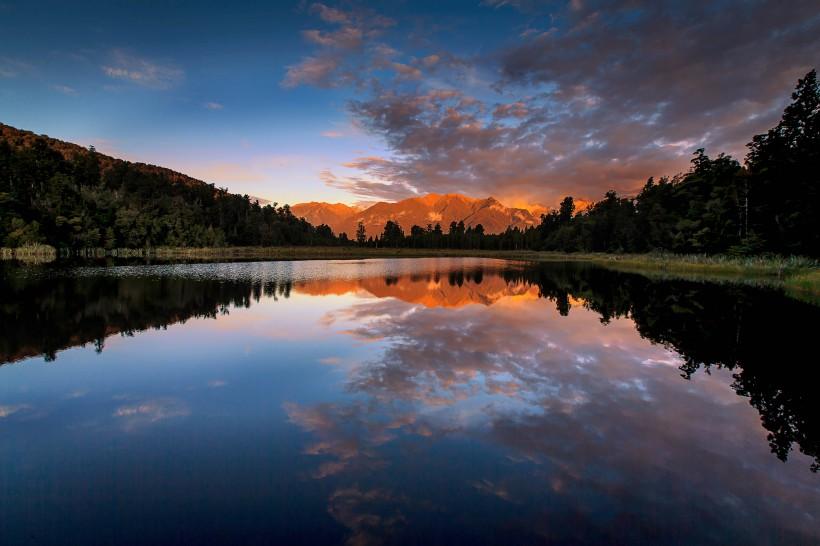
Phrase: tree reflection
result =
(761, 336)
(42, 315)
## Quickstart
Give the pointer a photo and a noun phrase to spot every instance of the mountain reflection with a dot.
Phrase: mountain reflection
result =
(450, 289)
(522, 362)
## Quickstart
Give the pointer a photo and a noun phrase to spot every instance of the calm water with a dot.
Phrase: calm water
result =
(441, 401)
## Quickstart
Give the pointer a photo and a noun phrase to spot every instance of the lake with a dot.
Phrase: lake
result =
(423, 401)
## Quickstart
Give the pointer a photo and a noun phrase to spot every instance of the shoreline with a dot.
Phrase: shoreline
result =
(798, 275)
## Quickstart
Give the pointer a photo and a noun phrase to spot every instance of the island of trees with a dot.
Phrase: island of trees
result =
(767, 205)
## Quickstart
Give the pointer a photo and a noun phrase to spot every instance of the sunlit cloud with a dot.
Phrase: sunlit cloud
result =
(367, 188)
(556, 111)
(318, 71)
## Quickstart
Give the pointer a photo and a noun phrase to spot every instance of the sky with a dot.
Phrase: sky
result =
(526, 100)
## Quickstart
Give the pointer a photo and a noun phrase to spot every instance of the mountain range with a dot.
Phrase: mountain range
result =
(421, 211)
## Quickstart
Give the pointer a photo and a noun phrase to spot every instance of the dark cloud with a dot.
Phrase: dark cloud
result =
(591, 96)
(665, 77)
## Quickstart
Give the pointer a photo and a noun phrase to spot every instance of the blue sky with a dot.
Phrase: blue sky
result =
(351, 101)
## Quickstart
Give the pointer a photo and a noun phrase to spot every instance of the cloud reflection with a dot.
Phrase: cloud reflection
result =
(9, 410)
(151, 411)
(372, 516)
(596, 416)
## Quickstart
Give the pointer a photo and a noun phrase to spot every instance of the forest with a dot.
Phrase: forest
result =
(767, 205)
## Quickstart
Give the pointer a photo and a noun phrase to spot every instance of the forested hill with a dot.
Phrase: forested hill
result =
(62, 194)
(19, 138)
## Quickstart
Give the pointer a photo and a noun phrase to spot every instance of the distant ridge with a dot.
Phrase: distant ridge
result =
(421, 211)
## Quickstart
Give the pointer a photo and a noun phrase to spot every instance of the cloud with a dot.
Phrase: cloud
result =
(142, 72)
(445, 141)
(317, 71)
(514, 110)
(213, 105)
(720, 77)
(9, 410)
(12, 68)
(344, 38)
(332, 134)
(65, 90)
(368, 188)
(151, 411)
(344, 55)
(373, 516)
(330, 15)
(406, 71)
(601, 96)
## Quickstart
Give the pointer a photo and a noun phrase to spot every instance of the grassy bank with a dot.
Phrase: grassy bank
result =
(770, 266)
(35, 253)
(800, 276)
(804, 286)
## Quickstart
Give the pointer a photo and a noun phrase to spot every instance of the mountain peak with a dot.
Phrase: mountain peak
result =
(422, 210)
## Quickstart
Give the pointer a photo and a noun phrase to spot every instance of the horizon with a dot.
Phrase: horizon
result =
(348, 102)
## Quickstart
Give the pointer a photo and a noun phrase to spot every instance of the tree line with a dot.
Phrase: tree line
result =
(767, 205)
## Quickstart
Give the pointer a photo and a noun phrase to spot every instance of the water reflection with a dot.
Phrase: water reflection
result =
(475, 401)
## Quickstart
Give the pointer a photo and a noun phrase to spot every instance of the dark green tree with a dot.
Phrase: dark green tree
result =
(784, 167)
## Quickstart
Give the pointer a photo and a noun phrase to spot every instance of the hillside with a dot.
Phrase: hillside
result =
(20, 139)
(65, 195)
(420, 211)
